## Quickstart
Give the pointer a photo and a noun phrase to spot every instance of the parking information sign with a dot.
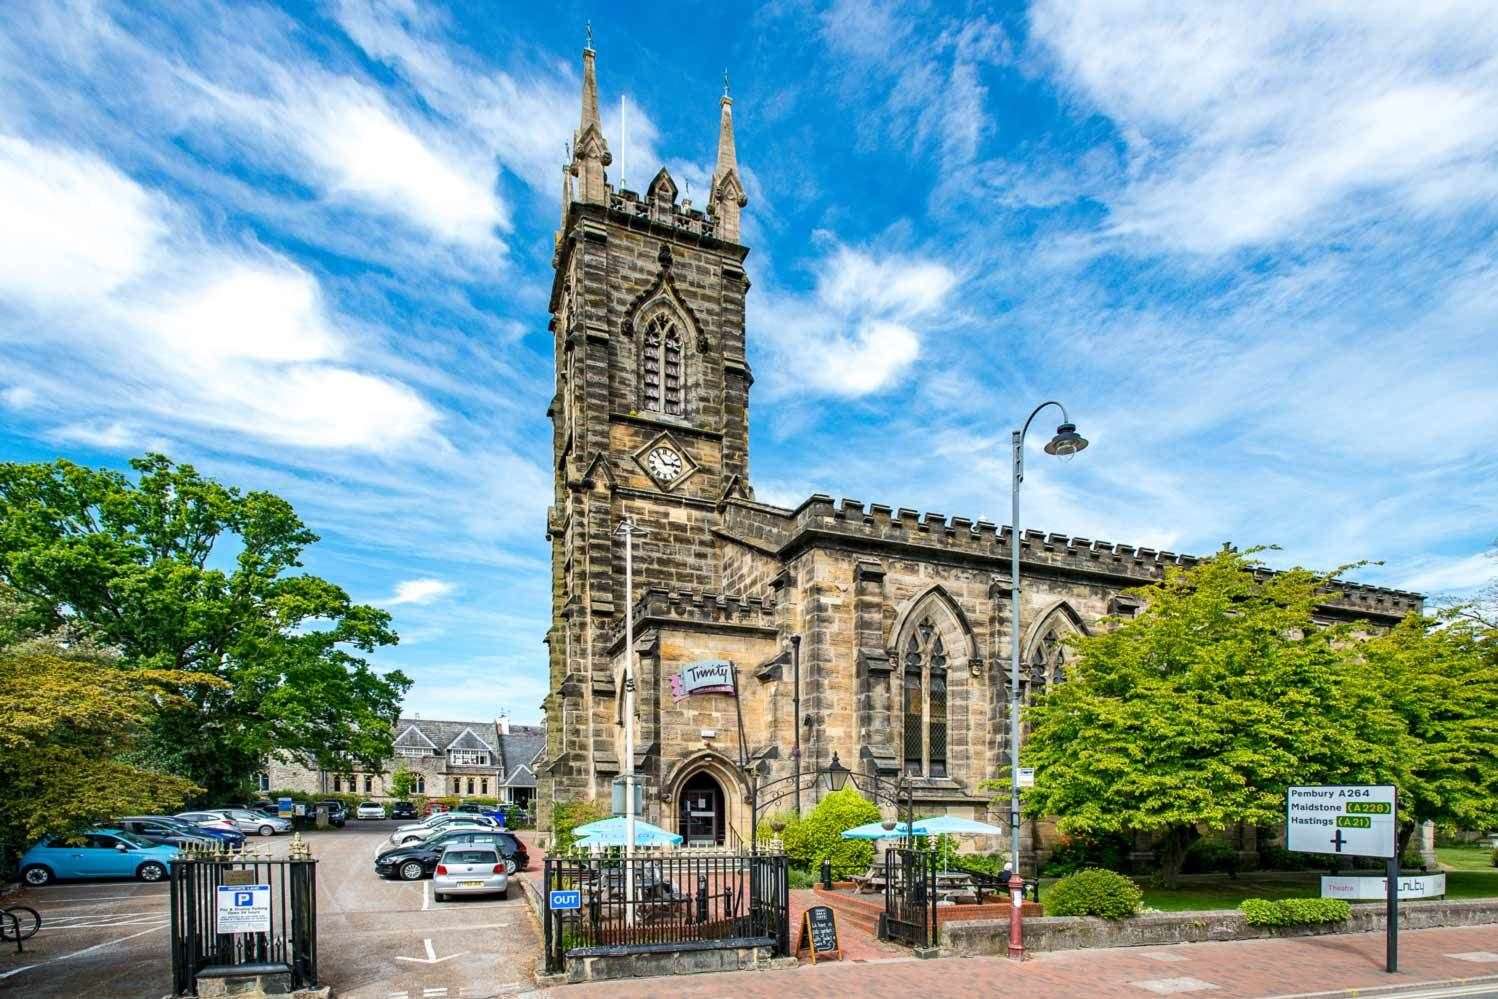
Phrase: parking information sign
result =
(244, 908)
(1355, 820)
(565, 899)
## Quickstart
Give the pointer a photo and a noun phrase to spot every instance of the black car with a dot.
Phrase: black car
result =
(337, 812)
(165, 830)
(410, 863)
(403, 810)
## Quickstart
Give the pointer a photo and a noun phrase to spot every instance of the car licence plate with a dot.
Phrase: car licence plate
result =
(470, 884)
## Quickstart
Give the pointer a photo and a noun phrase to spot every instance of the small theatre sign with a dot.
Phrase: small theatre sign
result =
(711, 676)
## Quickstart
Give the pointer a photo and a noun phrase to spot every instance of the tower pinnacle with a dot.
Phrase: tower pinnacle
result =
(727, 195)
(590, 152)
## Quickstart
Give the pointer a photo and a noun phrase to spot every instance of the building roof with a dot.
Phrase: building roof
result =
(445, 735)
(519, 749)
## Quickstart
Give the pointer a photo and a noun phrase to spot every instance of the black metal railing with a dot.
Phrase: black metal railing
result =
(289, 945)
(910, 897)
(649, 904)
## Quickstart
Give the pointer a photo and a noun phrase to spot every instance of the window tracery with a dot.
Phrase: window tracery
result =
(661, 366)
(925, 702)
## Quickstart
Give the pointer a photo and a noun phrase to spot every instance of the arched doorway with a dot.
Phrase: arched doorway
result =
(700, 817)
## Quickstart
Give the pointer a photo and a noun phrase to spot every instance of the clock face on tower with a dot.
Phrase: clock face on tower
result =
(665, 464)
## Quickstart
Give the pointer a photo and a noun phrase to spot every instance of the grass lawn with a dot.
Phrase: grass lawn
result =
(1466, 858)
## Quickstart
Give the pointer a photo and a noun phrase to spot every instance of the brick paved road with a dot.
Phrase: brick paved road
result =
(1257, 968)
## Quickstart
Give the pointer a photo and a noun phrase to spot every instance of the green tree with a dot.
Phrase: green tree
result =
(402, 782)
(181, 573)
(1204, 708)
(818, 835)
(65, 720)
(1440, 675)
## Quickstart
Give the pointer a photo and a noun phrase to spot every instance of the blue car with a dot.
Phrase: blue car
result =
(98, 853)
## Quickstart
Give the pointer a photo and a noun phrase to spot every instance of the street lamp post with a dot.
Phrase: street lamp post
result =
(1066, 443)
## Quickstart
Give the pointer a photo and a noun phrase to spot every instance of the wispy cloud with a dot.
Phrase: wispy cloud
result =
(418, 591)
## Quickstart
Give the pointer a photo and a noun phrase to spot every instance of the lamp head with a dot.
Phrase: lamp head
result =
(1067, 441)
(837, 774)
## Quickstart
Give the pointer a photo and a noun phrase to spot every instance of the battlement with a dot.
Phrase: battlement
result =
(877, 522)
(681, 216)
(658, 603)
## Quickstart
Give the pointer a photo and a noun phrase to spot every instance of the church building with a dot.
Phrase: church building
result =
(896, 623)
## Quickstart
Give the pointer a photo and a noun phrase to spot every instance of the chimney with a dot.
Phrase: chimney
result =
(504, 724)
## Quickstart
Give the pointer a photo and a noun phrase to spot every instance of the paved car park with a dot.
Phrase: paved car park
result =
(377, 939)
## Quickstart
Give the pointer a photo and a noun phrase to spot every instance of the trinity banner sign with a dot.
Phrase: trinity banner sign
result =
(713, 676)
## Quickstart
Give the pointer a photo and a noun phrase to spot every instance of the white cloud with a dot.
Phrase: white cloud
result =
(418, 591)
(859, 328)
(75, 228)
(191, 330)
(1445, 575)
(1253, 124)
(18, 396)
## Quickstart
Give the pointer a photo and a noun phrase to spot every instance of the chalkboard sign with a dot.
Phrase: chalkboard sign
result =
(819, 933)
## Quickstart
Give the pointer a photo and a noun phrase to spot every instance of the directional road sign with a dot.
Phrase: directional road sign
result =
(1354, 820)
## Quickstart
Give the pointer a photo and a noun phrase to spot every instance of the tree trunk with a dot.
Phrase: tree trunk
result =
(1173, 853)
(1407, 829)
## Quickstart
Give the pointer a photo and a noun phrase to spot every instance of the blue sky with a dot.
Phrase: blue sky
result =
(307, 248)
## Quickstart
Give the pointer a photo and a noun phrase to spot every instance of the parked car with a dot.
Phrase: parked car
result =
(421, 832)
(402, 810)
(419, 860)
(370, 810)
(435, 808)
(165, 831)
(211, 821)
(337, 812)
(470, 869)
(222, 831)
(254, 822)
(97, 853)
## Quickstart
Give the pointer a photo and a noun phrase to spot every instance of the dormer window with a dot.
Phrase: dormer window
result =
(468, 757)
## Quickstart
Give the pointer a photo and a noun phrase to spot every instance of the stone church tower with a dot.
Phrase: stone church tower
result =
(873, 634)
(650, 416)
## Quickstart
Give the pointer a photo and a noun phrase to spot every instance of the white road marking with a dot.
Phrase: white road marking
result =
(1477, 956)
(426, 896)
(1168, 986)
(431, 957)
(435, 992)
(107, 925)
(86, 950)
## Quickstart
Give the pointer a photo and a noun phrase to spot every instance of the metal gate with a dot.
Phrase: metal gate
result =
(289, 945)
(910, 898)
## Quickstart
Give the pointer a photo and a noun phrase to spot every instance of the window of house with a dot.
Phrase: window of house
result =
(337, 783)
(419, 785)
(924, 706)
(1048, 660)
(470, 785)
(368, 784)
(484, 786)
(468, 757)
(410, 752)
(661, 368)
(262, 781)
(457, 786)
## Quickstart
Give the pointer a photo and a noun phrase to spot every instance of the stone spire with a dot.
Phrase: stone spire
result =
(727, 195)
(590, 152)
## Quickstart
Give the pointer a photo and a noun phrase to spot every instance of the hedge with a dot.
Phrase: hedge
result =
(1094, 892)
(1294, 911)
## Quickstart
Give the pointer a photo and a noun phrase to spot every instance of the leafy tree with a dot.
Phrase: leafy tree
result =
(1440, 675)
(402, 782)
(818, 834)
(181, 573)
(1204, 708)
(65, 720)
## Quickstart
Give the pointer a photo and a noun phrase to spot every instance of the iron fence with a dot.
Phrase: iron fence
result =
(289, 945)
(644, 904)
(910, 898)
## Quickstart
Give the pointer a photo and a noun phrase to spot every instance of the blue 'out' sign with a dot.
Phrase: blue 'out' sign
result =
(566, 900)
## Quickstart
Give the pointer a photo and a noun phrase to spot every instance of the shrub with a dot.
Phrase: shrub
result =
(818, 836)
(567, 816)
(1210, 856)
(1094, 892)
(1294, 911)
(1076, 853)
(992, 864)
(1411, 859)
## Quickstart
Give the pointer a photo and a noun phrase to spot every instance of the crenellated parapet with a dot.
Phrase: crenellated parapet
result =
(658, 605)
(680, 216)
(874, 523)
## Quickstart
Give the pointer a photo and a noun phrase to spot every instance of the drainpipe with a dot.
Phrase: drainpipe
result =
(796, 713)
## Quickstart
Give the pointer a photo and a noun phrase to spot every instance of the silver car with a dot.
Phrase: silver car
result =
(254, 822)
(406, 835)
(469, 869)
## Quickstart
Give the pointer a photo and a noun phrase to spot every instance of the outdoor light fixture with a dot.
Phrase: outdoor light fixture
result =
(837, 774)
(1067, 441)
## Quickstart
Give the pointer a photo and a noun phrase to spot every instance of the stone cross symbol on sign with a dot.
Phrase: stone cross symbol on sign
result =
(1337, 841)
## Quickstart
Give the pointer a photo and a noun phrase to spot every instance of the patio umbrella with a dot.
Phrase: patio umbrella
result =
(610, 832)
(951, 825)
(875, 830)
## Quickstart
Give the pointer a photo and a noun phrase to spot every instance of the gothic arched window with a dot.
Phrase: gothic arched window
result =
(1050, 656)
(661, 367)
(925, 702)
